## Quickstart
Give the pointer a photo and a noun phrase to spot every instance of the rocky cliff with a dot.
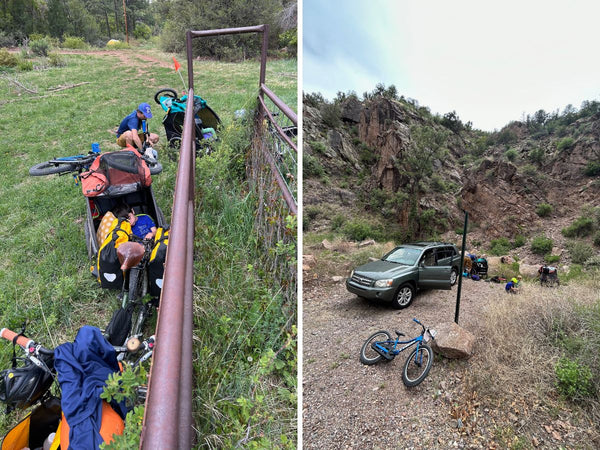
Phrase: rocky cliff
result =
(355, 167)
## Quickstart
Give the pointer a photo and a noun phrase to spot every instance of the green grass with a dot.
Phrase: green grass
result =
(44, 269)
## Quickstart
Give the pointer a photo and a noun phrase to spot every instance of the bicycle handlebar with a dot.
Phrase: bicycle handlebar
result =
(10, 335)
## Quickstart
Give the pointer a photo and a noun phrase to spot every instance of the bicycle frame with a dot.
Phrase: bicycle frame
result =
(380, 347)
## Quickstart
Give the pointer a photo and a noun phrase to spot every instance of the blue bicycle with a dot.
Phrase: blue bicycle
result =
(63, 165)
(380, 346)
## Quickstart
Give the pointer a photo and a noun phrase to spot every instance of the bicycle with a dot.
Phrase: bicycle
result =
(134, 256)
(380, 346)
(80, 163)
(22, 387)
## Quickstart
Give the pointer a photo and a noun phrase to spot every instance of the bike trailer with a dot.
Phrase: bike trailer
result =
(205, 119)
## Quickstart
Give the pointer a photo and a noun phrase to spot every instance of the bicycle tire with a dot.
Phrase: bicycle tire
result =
(51, 168)
(368, 356)
(155, 168)
(414, 372)
(165, 92)
(135, 284)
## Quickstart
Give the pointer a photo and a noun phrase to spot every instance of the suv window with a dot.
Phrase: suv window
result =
(429, 258)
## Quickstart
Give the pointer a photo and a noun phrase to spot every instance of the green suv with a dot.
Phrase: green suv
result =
(398, 275)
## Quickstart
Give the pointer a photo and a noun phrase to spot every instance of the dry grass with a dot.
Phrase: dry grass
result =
(524, 339)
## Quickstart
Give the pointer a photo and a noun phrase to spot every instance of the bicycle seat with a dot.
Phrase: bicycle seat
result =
(130, 254)
(399, 333)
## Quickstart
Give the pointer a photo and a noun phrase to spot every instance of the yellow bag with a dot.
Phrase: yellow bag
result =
(110, 274)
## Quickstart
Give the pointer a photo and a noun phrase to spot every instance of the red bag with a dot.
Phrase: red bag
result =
(118, 171)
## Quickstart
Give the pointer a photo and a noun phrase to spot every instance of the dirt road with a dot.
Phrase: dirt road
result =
(349, 405)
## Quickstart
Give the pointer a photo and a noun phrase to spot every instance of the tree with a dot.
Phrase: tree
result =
(427, 145)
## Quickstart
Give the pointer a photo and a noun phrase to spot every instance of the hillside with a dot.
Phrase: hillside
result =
(385, 167)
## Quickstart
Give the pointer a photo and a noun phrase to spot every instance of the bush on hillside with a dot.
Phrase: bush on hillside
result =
(541, 245)
(582, 227)
(543, 209)
(519, 241)
(592, 169)
(580, 252)
(565, 143)
(330, 113)
(142, 31)
(511, 154)
(574, 379)
(312, 166)
(358, 230)
(500, 246)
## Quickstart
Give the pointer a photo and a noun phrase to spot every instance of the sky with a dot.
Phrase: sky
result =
(491, 62)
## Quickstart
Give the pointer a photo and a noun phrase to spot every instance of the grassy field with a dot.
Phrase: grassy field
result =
(44, 269)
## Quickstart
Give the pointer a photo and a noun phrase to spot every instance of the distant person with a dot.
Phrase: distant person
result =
(511, 286)
(133, 129)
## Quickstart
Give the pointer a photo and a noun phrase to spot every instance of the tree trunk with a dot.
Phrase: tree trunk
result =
(107, 24)
(116, 16)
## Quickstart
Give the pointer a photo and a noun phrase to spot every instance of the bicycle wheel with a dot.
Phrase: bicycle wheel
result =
(135, 284)
(51, 168)
(166, 92)
(368, 356)
(417, 366)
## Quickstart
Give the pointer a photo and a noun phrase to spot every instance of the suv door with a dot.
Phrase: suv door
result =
(432, 275)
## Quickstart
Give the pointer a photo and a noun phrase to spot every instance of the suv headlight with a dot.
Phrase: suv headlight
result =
(383, 283)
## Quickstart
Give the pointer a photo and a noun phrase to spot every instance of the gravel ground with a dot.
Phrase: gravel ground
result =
(349, 405)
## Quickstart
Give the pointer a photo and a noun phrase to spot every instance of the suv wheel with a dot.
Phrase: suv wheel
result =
(404, 296)
(453, 276)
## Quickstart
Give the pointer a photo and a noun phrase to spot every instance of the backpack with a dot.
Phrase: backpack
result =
(156, 264)
(115, 173)
(110, 274)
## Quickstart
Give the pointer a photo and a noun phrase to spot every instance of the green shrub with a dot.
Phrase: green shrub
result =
(56, 60)
(8, 59)
(529, 170)
(581, 252)
(519, 241)
(318, 147)
(541, 245)
(574, 379)
(511, 154)
(565, 143)
(543, 210)
(536, 155)
(580, 228)
(551, 259)
(40, 47)
(593, 261)
(25, 66)
(337, 222)
(500, 246)
(142, 31)
(330, 113)
(312, 212)
(312, 166)
(73, 42)
(597, 239)
(6, 40)
(358, 230)
(592, 169)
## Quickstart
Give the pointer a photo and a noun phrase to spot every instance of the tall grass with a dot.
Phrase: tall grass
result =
(528, 338)
(246, 359)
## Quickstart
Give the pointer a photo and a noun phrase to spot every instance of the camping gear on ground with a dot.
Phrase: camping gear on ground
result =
(109, 273)
(480, 267)
(156, 265)
(548, 276)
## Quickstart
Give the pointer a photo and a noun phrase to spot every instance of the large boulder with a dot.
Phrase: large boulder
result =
(453, 342)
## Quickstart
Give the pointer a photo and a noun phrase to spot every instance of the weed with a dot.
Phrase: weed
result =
(543, 210)
(541, 245)
(574, 379)
(583, 226)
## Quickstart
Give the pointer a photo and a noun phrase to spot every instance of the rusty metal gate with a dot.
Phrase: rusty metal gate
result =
(168, 416)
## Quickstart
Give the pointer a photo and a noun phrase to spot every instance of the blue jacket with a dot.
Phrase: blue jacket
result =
(83, 368)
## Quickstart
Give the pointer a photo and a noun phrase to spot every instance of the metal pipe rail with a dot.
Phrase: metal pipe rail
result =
(168, 415)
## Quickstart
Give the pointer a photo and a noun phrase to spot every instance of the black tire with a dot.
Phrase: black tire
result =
(453, 276)
(155, 168)
(414, 372)
(368, 356)
(50, 168)
(160, 217)
(404, 296)
(175, 143)
(165, 92)
(135, 284)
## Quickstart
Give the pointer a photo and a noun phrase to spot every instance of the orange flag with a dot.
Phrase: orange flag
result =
(177, 65)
